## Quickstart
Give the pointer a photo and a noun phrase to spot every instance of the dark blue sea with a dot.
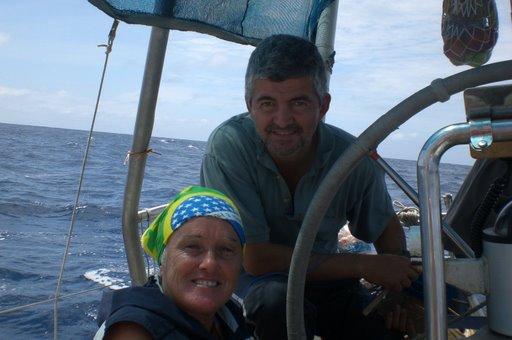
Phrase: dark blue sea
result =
(39, 177)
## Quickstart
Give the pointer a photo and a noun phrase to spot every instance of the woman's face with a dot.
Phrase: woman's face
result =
(201, 268)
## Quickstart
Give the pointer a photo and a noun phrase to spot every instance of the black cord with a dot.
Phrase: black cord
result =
(492, 196)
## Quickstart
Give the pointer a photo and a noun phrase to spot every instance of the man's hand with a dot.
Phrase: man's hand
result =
(399, 321)
(392, 272)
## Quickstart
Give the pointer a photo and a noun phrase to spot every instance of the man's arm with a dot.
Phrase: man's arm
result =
(390, 271)
(392, 239)
(264, 258)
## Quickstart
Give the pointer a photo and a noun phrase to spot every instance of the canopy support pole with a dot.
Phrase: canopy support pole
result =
(325, 34)
(137, 160)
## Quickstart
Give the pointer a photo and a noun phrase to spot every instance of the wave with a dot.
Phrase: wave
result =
(16, 275)
(104, 278)
(39, 209)
(74, 317)
(167, 141)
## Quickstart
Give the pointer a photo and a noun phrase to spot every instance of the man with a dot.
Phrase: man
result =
(270, 161)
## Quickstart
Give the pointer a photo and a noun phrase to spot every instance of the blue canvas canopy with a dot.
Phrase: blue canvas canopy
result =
(240, 21)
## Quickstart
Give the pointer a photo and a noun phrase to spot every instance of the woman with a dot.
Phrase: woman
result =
(199, 268)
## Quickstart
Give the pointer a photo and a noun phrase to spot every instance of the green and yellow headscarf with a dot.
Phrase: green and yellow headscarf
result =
(193, 201)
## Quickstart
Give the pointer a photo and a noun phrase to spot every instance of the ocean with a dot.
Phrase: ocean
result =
(39, 177)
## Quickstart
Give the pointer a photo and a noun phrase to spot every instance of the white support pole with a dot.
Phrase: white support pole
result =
(326, 32)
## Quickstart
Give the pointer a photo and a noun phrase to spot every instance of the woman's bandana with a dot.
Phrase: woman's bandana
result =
(192, 202)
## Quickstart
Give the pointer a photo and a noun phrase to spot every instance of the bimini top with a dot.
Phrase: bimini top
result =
(241, 21)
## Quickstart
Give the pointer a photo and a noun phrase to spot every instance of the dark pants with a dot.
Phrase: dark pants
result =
(332, 309)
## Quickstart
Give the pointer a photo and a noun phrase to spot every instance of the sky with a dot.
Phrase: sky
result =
(51, 66)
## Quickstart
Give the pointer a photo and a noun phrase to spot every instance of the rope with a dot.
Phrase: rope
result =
(469, 311)
(408, 216)
(18, 308)
(139, 154)
(111, 37)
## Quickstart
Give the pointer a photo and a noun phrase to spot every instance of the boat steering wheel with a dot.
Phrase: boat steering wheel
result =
(439, 90)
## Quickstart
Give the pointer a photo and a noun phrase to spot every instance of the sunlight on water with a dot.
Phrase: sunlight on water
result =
(101, 276)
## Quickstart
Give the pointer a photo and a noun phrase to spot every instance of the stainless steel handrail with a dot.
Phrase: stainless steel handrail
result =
(430, 218)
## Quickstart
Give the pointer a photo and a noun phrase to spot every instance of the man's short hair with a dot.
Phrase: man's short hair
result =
(282, 57)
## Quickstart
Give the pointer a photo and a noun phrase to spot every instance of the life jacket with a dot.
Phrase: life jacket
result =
(157, 313)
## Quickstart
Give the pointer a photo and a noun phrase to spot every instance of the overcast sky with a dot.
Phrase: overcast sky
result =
(50, 69)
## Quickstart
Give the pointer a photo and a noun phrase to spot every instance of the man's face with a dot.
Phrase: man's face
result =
(203, 261)
(286, 115)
